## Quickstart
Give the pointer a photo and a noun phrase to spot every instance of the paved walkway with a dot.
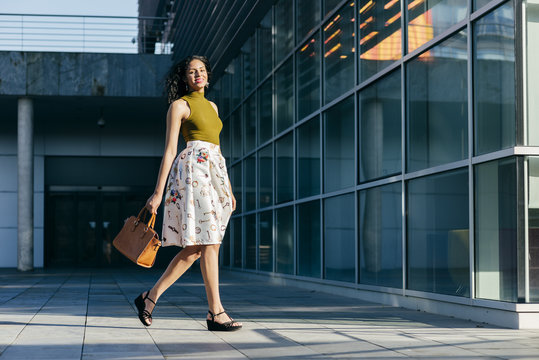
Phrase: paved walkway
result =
(88, 314)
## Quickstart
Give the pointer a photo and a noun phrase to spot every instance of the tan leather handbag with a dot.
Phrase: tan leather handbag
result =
(137, 240)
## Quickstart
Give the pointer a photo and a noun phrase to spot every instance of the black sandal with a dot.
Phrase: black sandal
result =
(215, 326)
(144, 314)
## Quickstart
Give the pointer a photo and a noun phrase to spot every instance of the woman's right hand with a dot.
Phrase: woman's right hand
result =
(153, 203)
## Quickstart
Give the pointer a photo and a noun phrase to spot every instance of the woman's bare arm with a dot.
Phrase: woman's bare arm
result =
(177, 111)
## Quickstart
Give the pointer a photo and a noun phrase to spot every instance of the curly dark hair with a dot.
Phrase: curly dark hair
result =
(175, 81)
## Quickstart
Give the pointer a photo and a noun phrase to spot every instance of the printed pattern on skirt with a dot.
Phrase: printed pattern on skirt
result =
(198, 203)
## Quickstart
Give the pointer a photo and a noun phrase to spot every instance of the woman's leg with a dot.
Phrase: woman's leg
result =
(181, 262)
(209, 265)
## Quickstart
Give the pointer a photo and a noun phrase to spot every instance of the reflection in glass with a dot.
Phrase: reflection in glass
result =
(250, 241)
(224, 140)
(235, 120)
(265, 112)
(308, 76)
(380, 236)
(307, 17)
(437, 120)
(339, 52)
(265, 47)
(308, 158)
(284, 30)
(329, 5)
(238, 246)
(380, 128)
(339, 150)
(237, 186)
(249, 121)
(477, 4)
(339, 238)
(494, 82)
(224, 103)
(532, 72)
(284, 88)
(249, 64)
(533, 226)
(249, 184)
(285, 240)
(237, 81)
(379, 35)
(309, 239)
(496, 230)
(265, 176)
(225, 246)
(265, 249)
(429, 18)
(438, 233)
(284, 167)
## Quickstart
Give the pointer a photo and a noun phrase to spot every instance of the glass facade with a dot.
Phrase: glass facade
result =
(399, 165)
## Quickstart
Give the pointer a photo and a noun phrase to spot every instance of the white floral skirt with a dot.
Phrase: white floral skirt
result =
(198, 202)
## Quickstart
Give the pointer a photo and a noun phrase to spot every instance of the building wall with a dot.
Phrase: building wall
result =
(374, 161)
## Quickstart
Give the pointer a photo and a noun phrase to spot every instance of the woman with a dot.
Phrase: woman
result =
(198, 196)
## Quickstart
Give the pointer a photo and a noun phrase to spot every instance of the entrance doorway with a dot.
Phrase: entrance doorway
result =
(81, 225)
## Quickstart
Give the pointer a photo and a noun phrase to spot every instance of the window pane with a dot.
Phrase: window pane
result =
(380, 122)
(494, 82)
(284, 29)
(307, 17)
(285, 240)
(284, 88)
(226, 81)
(308, 160)
(225, 246)
(265, 112)
(249, 184)
(265, 231)
(339, 146)
(265, 176)
(285, 168)
(437, 105)
(428, 19)
(480, 3)
(380, 236)
(533, 226)
(496, 230)
(264, 47)
(235, 120)
(249, 120)
(237, 186)
(308, 77)
(339, 235)
(250, 242)
(237, 81)
(438, 232)
(380, 35)
(329, 5)
(309, 239)
(224, 141)
(249, 64)
(238, 246)
(532, 72)
(339, 53)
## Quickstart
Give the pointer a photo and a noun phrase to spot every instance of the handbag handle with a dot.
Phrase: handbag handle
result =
(142, 215)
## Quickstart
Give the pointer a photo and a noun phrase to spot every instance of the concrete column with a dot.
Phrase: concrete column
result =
(25, 193)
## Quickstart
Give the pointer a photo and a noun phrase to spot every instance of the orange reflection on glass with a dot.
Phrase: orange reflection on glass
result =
(332, 22)
(366, 22)
(367, 6)
(420, 31)
(368, 37)
(387, 49)
(332, 50)
(390, 4)
(393, 19)
(332, 36)
(413, 4)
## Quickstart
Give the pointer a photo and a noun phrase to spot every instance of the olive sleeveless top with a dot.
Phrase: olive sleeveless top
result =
(203, 123)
